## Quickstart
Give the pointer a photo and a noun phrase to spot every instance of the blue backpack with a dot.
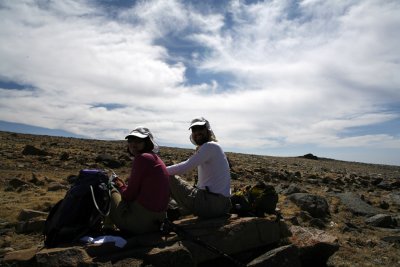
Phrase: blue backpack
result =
(82, 210)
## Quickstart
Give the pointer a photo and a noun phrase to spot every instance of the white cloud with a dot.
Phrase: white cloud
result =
(302, 73)
(76, 54)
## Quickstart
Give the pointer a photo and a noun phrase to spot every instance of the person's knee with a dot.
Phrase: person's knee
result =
(210, 206)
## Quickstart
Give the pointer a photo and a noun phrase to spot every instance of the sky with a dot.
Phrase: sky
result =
(277, 78)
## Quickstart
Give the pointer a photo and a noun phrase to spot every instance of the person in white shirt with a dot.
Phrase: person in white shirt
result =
(210, 197)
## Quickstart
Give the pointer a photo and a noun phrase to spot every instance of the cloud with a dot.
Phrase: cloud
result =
(269, 74)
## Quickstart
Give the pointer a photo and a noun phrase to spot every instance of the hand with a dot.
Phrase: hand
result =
(118, 182)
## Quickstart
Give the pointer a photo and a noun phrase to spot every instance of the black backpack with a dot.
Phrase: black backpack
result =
(81, 211)
(254, 200)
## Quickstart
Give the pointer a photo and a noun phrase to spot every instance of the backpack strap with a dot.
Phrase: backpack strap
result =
(97, 206)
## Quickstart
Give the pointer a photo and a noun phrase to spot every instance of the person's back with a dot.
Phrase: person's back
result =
(214, 173)
(152, 188)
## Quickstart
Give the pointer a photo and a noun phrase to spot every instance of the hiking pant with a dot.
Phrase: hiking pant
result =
(198, 201)
(131, 217)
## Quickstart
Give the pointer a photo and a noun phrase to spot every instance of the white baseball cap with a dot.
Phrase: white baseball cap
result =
(143, 132)
(200, 122)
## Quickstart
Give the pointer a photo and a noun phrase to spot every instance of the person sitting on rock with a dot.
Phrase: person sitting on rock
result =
(139, 206)
(210, 197)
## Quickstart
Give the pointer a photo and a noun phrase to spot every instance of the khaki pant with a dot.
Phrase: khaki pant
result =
(132, 217)
(197, 201)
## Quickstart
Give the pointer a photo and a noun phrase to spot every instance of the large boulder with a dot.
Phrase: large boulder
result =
(315, 246)
(234, 236)
(33, 151)
(356, 205)
(381, 220)
(317, 206)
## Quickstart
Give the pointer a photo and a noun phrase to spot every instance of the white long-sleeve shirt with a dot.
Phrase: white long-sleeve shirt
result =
(212, 167)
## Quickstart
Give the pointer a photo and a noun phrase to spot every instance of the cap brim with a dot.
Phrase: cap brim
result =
(198, 123)
(136, 134)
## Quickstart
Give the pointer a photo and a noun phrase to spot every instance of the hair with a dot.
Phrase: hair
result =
(148, 146)
(211, 136)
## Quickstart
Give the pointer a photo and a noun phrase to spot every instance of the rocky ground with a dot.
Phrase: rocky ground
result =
(358, 203)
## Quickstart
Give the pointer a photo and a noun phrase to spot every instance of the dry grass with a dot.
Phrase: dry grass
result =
(362, 247)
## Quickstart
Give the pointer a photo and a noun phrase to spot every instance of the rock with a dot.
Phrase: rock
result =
(377, 181)
(328, 180)
(304, 216)
(33, 226)
(28, 214)
(234, 175)
(109, 161)
(317, 206)
(162, 254)
(285, 256)
(71, 179)
(233, 235)
(5, 250)
(315, 246)
(25, 257)
(31, 150)
(293, 220)
(395, 184)
(384, 205)
(35, 180)
(64, 156)
(6, 239)
(356, 205)
(310, 156)
(175, 255)
(131, 262)
(385, 185)
(349, 227)
(388, 185)
(55, 186)
(292, 189)
(16, 183)
(395, 196)
(318, 223)
(395, 239)
(380, 220)
(127, 158)
(396, 220)
(70, 256)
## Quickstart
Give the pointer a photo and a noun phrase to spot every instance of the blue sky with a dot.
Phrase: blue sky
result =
(279, 78)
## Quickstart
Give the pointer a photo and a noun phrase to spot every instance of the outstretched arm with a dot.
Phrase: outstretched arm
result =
(202, 155)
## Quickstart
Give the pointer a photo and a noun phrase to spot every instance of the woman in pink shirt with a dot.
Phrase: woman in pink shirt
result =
(139, 206)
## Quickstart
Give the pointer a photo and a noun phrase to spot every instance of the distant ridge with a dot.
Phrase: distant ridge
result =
(306, 156)
(29, 129)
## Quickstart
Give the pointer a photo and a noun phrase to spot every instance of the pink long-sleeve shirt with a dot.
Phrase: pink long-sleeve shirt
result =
(148, 183)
